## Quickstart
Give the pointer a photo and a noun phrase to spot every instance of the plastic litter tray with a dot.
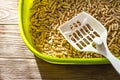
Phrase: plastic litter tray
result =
(24, 10)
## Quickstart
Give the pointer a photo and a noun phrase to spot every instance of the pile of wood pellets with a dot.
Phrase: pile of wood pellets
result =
(47, 15)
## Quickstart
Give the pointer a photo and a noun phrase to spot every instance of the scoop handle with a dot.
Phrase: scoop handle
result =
(103, 49)
(114, 61)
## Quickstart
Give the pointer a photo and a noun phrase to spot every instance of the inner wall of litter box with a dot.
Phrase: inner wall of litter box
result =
(26, 4)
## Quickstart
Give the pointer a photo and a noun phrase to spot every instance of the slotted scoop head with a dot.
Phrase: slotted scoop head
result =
(81, 31)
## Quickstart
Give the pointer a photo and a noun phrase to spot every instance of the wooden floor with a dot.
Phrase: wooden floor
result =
(18, 63)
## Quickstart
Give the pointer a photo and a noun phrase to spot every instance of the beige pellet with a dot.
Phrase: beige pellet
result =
(111, 42)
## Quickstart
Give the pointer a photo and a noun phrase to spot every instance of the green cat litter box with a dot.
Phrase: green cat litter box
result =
(57, 8)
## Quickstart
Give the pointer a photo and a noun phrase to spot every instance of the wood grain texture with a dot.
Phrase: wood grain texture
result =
(8, 11)
(18, 69)
(76, 72)
(37, 69)
(11, 44)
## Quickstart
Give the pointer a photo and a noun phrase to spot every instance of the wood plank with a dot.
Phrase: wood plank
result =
(8, 11)
(37, 69)
(19, 69)
(76, 72)
(11, 44)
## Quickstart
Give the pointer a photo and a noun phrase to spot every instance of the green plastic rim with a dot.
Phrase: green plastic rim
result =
(24, 8)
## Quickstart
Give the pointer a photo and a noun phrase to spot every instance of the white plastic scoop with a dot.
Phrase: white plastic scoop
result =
(82, 30)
